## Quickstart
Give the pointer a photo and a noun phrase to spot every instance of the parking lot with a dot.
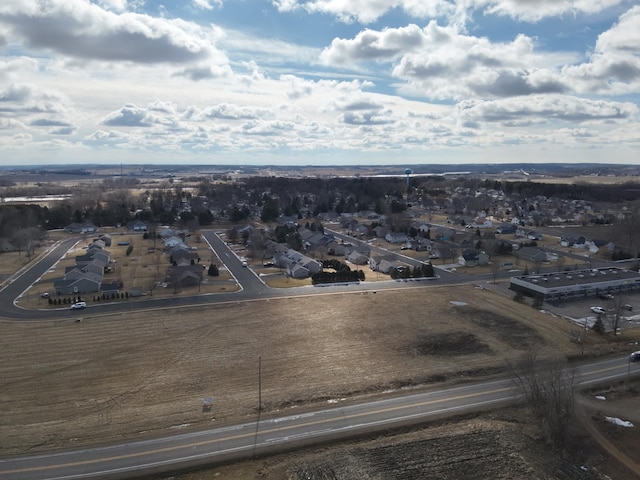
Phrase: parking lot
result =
(581, 310)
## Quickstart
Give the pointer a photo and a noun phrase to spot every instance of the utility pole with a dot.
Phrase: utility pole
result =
(255, 440)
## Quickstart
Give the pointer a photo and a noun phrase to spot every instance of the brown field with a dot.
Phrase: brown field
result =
(113, 377)
(109, 378)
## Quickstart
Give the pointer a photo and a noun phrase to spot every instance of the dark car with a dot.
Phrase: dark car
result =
(606, 296)
(635, 356)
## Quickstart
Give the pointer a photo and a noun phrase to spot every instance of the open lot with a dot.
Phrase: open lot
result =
(108, 378)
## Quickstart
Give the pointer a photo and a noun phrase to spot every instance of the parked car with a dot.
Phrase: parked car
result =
(44, 295)
(598, 310)
(606, 296)
(244, 263)
(627, 307)
(78, 305)
(635, 356)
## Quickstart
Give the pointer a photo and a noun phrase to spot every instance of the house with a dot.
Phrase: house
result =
(184, 275)
(383, 263)
(6, 245)
(357, 258)
(297, 271)
(86, 227)
(106, 239)
(507, 228)
(531, 254)
(173, 242)
(396, 237)
(184, 257)
(481, 222)
(137, 226)
(473, 258)
(88, 283)
(288, 258)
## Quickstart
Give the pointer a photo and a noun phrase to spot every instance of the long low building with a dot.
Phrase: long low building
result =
(576, 283)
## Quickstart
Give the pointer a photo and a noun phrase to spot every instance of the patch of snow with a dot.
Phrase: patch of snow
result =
(458, 303)
(617, 421)
(600, 397)
(184, 425)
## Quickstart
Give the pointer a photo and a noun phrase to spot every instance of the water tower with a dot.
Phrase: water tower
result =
(407, 172)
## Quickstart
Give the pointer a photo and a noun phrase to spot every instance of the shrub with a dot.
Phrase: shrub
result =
(598, 326)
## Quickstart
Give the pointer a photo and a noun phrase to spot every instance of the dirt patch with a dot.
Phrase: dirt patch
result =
(507, 329)
(450, 344)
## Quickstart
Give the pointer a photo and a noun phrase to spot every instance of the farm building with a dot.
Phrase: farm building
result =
(576, 283)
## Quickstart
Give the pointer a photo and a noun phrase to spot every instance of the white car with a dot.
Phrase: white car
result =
(78, 305)
(598, 310)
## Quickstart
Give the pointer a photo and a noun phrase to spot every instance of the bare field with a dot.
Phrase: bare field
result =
(112, 377)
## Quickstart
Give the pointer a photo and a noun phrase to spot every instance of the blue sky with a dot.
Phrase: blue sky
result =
(319, 82)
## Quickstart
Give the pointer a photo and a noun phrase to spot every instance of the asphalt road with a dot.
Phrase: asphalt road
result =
(274, 434)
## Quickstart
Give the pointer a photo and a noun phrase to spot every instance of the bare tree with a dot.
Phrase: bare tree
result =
(614, 315)
(548, 386)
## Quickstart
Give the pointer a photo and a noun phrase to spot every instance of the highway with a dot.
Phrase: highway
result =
(273, 434)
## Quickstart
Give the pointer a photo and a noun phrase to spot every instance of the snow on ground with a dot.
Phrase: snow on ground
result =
(600, 397)
(617, 421)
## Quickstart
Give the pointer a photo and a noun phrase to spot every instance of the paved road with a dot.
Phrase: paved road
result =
(276, 433)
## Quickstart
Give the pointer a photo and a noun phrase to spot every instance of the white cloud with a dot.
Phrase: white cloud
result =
(614, 66)
(442, 63)
(533, 11)
(79, 29)
(373, 45)
(368, 11)
(208, 4)
(545, 109)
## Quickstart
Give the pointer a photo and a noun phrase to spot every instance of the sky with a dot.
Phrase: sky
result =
(319, 82)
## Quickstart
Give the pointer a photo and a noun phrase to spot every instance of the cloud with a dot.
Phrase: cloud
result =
(129, 116)
(12, 66)
(79, 29)
(533, 11)
(207, 4)
(614, 66)
(372, 45)
(368, 11)
(380, 117)
(544, 108)
(442, 63)
(206, 72)
(229, 111)
(23, 101)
